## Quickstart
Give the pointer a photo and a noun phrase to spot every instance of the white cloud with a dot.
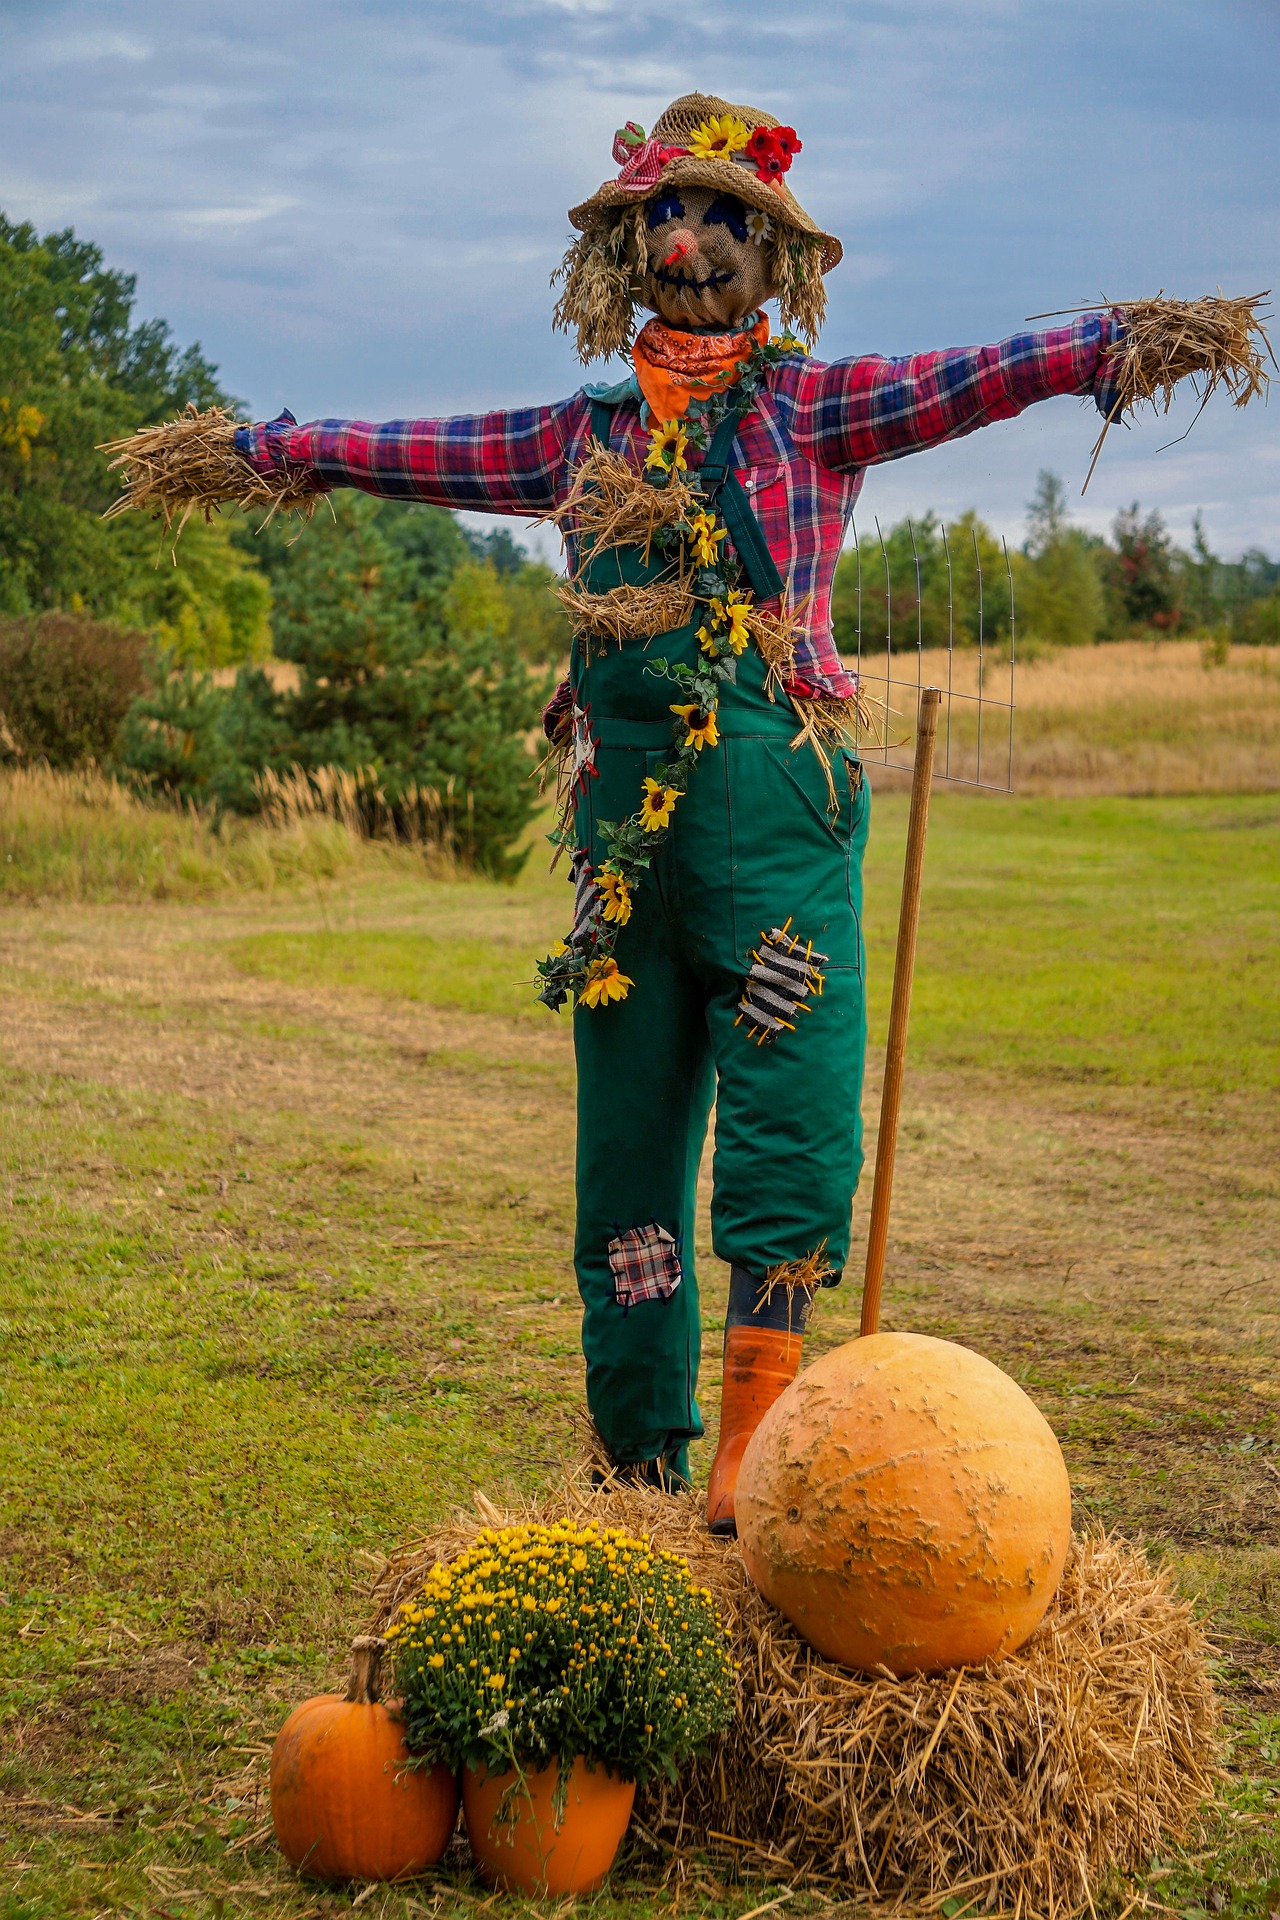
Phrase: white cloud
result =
(74, 49)
(267, 207)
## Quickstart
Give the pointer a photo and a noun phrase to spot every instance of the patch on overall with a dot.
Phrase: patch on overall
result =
(784, 971)
(645, 1262)
(582, 763)
(586, 896)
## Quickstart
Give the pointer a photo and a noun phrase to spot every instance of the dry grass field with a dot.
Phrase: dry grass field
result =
(285, 1222)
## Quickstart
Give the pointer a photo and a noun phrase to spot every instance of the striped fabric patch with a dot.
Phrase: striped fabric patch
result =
(784, 972)
(586, 896)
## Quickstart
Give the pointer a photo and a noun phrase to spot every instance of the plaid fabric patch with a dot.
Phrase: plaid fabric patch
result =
(645, 1262)
(784, 971)
(801, 452)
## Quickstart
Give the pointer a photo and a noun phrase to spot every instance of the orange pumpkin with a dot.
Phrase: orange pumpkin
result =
(345, 1802)
(905, 1505)
(528, 1852)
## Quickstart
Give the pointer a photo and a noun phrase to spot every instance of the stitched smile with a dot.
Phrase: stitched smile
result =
(689, 282)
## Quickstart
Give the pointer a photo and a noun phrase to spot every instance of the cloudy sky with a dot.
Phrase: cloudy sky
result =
(355, 207)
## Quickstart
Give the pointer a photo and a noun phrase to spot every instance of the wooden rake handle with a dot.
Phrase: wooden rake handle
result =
(900, 1010)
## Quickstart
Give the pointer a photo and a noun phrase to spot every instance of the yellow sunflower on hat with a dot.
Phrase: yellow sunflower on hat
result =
(719, 136)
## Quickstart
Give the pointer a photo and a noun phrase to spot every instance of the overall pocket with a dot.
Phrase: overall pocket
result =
(793, 852)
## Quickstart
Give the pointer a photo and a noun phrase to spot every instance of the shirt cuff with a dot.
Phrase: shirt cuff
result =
(1106, 382)
(266, 446)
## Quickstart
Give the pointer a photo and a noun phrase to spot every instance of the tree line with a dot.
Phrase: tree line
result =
(1069, 587)
(417, 650)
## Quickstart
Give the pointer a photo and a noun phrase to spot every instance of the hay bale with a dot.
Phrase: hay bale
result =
(1021, 1785)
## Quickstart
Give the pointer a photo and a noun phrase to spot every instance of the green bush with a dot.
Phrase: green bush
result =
(407, 670)
(66, 685)
(1257, 623)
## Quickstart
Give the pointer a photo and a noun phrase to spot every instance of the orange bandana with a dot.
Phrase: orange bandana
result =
(674, 368)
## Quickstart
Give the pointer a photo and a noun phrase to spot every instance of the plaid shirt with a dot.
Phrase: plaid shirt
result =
(801, 452)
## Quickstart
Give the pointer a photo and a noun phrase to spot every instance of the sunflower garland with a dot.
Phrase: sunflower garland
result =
(584, 966)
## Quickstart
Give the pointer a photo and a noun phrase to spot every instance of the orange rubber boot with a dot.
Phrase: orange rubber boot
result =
(759, 1364)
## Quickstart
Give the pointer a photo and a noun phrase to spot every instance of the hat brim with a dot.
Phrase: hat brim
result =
(694, 170)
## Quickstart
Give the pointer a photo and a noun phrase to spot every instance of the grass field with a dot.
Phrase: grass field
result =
(285, 1218)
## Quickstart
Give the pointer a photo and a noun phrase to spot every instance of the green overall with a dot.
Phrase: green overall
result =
(755, 841)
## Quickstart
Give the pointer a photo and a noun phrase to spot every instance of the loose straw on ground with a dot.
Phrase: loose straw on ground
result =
(1023, 1785)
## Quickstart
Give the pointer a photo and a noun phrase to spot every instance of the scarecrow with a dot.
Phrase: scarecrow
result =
(714, 810)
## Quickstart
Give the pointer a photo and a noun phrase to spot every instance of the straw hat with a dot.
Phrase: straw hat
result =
(703, 141)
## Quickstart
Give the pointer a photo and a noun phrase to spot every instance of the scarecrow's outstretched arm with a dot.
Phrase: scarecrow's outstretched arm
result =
(512, 462)
(853, 413)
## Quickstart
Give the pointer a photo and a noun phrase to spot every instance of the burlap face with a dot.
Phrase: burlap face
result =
(707, 258)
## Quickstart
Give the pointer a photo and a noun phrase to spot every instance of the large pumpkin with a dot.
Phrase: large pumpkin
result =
(906, 1506)
(345, 1802)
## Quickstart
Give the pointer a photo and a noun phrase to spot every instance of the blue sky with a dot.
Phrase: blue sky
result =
(355, 208)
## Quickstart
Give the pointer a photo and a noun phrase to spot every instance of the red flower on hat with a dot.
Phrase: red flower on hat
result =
(770, 150)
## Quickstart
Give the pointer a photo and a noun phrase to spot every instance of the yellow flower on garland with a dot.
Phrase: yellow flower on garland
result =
(657, 805)
(703, 731)
(732, 613)
(605, 982)
(615, 891)
(666, 449)
(719, 136)
(704, 538)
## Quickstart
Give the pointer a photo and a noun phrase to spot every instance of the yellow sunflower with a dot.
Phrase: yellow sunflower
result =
(733, 613)
(666, 448)
(605, 982)
(720, 135)
(616, 893)
(704, 538)
(703, 731)
(657, 805)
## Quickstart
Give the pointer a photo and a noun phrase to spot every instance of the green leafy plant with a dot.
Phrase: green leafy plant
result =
(66, 684)
(541, 1644)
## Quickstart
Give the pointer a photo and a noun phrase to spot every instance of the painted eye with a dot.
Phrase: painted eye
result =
(667, 206)
(726, 210)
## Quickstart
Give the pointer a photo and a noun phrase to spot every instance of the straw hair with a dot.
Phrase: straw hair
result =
(1021, 1785)
(190, 464)
(601, 281)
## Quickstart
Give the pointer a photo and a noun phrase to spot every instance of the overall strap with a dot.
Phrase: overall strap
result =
(601, 421)
(734, 504)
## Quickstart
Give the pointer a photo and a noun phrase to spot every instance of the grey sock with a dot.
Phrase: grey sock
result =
(785, 1311)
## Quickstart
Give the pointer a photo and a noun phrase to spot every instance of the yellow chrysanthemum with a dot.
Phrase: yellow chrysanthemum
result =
(666, 448)
(615, 891)
(705, 538)
(722, 134)
(605, 982)
(657, 805)
(702, 729)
